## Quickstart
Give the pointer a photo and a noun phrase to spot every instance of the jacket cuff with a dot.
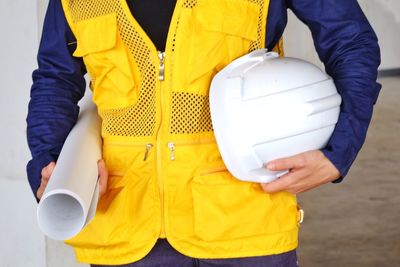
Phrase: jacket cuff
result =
(338, 161)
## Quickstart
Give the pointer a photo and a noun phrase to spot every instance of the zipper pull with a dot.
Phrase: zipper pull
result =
(171, 147)
(161, 57)
(146, 153)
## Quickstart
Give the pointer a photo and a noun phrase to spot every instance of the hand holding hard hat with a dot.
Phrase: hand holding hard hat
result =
(307, 171)
(264, 108)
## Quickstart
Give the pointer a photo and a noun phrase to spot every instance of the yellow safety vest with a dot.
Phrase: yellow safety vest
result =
(166, 175)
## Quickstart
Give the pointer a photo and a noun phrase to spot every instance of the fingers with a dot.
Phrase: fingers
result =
(306, 171)
(274, 186)
(46, 174)
(283, 183)
(103, 177)
(48, 170)
(294, 162)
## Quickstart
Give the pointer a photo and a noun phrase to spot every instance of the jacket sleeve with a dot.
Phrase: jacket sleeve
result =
(58, 85)
(348, 47)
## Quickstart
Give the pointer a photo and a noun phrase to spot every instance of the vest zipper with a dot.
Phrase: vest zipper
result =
(148, 147)
(161, 68)
(161, 77)
(161, 132)
(171, 147)
(146, 152)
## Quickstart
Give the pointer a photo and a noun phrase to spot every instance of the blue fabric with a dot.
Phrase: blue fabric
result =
(343, 38)
(58, 84)
(348, 47)
(163, 254)
(146, 12)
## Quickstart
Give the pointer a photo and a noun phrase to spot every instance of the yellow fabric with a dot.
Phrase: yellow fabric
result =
(167, 178)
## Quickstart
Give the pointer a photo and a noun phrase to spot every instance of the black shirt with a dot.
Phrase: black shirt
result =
(154, 16)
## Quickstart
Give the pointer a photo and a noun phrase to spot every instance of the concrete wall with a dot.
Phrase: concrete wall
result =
(21, 243)
(384, 16)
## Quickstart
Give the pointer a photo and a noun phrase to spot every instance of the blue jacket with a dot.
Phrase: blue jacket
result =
(343, 38)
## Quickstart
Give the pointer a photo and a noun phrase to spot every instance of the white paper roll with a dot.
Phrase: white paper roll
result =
(70, 199)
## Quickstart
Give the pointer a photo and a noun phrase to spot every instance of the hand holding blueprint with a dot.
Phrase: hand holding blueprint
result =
(70, 199)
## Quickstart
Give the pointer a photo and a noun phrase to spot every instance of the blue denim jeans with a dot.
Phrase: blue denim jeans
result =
(163, 255)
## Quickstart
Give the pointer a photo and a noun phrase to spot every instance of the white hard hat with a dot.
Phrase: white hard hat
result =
(265, 107)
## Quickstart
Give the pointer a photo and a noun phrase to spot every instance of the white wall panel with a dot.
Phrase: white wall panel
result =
(384, 16)
(18, 44)
(21, 243)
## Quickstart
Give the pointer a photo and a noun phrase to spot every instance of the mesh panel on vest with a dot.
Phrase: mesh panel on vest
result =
(139, 119)
(191, 112)
(258, 43)
(189, 3)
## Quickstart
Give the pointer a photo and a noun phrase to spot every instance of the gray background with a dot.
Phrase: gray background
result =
(352, 224)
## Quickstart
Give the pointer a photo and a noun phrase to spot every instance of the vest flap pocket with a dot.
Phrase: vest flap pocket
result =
(124, 163)
(226, 208)
(233, 17)
(221, 31)
(114, 74)
(95, 35)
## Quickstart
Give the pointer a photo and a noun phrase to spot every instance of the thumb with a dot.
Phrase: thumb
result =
(46, 173)
(48, 170)
(103, 177)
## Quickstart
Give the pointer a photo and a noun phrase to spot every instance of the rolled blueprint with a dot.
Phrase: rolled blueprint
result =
(70, 199)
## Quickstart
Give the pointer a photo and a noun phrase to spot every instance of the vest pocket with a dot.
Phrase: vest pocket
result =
(126, 213)
(222, 31)
(125, 162)
(117, 160)
(107, 61)
(226, 208)
(232, 17)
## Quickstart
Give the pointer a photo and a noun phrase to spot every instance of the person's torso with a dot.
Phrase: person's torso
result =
(167, 178)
